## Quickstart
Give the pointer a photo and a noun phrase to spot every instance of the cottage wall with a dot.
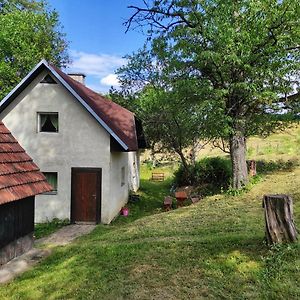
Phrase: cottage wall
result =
(119, 185)
(80, 142)
(134, 170)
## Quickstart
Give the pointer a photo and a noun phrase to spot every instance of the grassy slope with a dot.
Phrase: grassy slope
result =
(285, 145)
(212, 249)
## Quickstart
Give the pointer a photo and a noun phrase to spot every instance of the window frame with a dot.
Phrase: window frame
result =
(54, 192)
(123, 176)
(39, 125)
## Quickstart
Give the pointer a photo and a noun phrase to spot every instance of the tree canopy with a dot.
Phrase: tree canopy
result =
(236, 57)
(29, 31)
(169, 124)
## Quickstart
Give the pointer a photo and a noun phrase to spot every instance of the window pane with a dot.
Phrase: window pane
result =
(52, 179)
(48, 122)
(122, 176)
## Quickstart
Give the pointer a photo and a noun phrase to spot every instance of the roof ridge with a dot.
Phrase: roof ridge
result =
(86, 87)
(118, 121)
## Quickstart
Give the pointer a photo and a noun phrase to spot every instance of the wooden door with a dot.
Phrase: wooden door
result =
(86, 195)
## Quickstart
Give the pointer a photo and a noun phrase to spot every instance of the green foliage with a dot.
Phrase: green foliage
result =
(277, 262)
(264, 167)
(29, 31)
(215, 172)
(246, 188)
(169, 124)
(233, 57)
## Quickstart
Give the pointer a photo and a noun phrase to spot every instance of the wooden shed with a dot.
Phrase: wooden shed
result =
(20, 181)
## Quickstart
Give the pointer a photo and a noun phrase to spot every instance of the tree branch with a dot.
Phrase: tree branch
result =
(156, 15)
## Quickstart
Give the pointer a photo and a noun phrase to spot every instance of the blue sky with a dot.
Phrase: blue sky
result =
(97, 37)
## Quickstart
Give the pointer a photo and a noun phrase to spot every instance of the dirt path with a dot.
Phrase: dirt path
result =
(65, 235)
(61, 237)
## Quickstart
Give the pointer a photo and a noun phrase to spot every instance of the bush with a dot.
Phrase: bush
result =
(264, 167)
(214, 171)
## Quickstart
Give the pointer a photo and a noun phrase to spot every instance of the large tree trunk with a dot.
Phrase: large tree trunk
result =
(185, 166)
(237, 144)
(280, 227)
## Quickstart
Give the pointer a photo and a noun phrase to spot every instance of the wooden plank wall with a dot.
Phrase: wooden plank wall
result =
(16, 220)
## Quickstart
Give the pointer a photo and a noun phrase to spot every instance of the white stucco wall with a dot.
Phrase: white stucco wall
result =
(134, 170)
(80, 142)
(119, 192)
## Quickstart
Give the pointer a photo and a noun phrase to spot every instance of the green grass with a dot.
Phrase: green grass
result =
(214, 249)
(44, 229)
(282, 145)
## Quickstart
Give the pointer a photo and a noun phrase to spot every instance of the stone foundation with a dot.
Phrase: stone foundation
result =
(16, 248)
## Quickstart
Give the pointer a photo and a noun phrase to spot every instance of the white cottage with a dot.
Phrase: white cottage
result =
(87, 146)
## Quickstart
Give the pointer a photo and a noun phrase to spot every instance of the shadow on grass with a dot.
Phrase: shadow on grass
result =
(213, 249)
(265, 167)
(151, 201)
(136, 269)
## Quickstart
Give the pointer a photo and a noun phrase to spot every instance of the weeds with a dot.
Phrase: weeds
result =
(44, 229)
(237, 192)
(264, 167)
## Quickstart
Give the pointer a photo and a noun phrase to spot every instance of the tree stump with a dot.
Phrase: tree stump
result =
(252, 167)
(280, 227)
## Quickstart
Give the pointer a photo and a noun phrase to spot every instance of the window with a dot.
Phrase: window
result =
(48, 122)
(122, 176)
(52, 180)
(48, 79)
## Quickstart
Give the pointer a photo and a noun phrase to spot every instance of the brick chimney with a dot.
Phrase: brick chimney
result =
(80, 77)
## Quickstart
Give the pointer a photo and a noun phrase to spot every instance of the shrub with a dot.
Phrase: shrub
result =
(214, 171)
(264, 167)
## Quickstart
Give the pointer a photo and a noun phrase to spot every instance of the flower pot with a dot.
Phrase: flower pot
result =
(125, 211)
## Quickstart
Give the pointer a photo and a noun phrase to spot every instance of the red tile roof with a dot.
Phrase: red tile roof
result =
(120, 120)
(19, 175)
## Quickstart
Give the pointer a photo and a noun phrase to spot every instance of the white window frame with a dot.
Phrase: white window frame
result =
(54, 192)
(39, 129)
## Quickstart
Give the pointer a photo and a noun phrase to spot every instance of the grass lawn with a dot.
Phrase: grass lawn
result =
(283, 145)
(44, 229)
(214, 249)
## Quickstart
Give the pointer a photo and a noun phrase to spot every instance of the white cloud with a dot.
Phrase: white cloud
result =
(110, 80)
(100, 65)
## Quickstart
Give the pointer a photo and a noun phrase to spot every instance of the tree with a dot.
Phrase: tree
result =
(243, 54)
(29, 31)
(169, 124)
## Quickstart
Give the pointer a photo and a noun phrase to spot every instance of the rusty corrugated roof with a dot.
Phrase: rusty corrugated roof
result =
(19, 175)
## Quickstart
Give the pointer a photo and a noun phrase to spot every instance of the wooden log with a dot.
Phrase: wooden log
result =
(279, 219)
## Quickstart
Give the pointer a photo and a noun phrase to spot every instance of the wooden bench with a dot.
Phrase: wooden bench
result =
(158, 176)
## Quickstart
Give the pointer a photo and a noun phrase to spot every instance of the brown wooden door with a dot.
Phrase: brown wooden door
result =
(86, 194)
